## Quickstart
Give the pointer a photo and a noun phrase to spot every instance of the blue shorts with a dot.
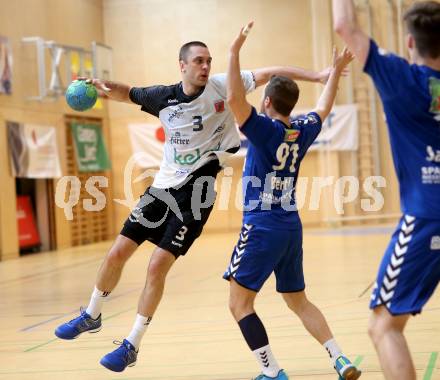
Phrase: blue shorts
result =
(410, 268)
(261, 251)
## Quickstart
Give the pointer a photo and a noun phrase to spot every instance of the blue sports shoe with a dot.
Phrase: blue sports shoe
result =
(121, 358)
(77, 326)
(281, 376)
(346, 370)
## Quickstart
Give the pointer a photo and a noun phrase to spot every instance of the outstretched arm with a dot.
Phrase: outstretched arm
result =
(263, 75)
(346, 25)
(236, 93)
(111, 90)
(327, 97)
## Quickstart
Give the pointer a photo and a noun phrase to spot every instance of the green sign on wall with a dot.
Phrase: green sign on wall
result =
(91, 155)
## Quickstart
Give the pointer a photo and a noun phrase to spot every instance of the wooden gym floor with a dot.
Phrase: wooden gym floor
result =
(192, 335)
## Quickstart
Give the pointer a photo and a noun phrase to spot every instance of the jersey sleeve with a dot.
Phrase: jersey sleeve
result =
(149, 98)
(387, 71)
(310, 126)
(261, 130)
(219, 82)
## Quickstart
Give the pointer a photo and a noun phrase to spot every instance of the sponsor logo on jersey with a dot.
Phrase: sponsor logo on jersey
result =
(171, 101)
(291, 135)
(219, 106)
(178, 139)
(278, 183)
(435, 243)
(284, 198)
(219, 129)
(431, 175)
(433, 155)
(182, 171)
(176, 113)
(192, 157)
(434, 89)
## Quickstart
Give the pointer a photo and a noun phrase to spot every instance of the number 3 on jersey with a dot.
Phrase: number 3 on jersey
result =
(283, 152)
(197, 122)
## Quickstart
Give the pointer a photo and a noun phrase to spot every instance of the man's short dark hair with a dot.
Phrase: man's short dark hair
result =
(283, 93)
(423, 23)
(183, 53)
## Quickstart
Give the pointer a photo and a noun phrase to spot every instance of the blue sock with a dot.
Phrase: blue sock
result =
(256, 337)
(253, 331)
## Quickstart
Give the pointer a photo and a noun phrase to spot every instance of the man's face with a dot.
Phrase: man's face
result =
(197, 66)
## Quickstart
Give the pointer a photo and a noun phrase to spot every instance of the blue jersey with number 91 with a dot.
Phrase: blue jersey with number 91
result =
(272, 166)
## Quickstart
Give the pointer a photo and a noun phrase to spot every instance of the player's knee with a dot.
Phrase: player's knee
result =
(297, 302)
(378, 326)
(240, 307)
(117, 256)
(234, 306)
(372, 329)
(156, 271)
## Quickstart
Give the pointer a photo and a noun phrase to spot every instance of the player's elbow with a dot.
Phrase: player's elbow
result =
(232, 100)
(262, 76)
(342, 27)
(349, 33)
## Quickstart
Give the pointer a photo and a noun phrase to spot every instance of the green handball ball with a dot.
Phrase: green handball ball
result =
(81, 96)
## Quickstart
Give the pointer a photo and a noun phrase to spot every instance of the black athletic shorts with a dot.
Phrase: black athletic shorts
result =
(174, 218)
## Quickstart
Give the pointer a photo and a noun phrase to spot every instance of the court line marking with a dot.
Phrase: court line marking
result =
(51, 271)
(353, 231)
(46, 321)
(111, 298)
(431, 366)
(53, 340)
(358, 360)
(74, 311)
(40, 345)
(240, 377)
(366, 289)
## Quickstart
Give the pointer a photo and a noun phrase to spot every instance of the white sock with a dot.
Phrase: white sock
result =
(96, 301)
(269, 365)
(137, 332)
(333, 349)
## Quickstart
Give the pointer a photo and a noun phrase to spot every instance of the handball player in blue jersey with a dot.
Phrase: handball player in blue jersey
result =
(410, 93)
(271, 236)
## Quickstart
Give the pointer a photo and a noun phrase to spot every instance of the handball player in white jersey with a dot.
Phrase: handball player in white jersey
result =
(200, 134)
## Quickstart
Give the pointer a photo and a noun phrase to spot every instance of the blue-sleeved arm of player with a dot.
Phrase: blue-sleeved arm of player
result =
(387, 71)
(310, 126)
(260, 130)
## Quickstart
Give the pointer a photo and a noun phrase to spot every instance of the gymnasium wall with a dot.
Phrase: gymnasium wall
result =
(146, 36)
(75, 23)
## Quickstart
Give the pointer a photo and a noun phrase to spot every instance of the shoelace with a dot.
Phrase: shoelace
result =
(126, 351)
(82, 312)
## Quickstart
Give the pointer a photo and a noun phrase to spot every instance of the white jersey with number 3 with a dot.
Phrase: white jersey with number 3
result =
(197, 128)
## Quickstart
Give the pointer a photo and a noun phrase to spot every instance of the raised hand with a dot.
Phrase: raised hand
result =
(238, 42)
(340, 61)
